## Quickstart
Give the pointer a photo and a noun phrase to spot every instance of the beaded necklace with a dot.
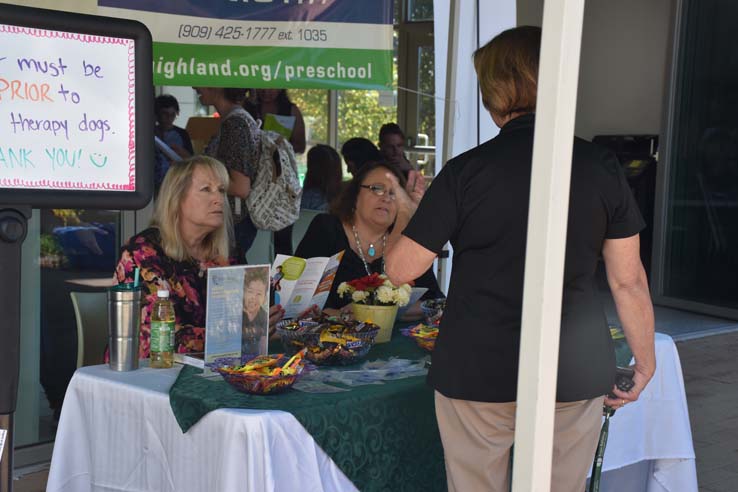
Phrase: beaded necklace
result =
(361, 250)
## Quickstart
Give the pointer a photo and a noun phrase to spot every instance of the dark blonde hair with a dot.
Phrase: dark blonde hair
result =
(507, 70)
(167, 210)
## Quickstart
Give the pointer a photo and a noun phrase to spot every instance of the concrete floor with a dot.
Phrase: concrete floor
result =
(711, 381)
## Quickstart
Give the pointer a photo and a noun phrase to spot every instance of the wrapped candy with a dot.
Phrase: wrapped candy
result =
(424, 335)
(262, 375)
(328, 341)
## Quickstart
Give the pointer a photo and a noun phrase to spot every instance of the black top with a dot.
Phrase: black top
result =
(254, 333)
(325, 237)
(479, 201)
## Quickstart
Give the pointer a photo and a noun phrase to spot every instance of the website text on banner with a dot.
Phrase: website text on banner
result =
(323, 44)
(67, 110)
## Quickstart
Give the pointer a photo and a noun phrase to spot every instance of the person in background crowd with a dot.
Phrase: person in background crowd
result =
(357, 152)
(323, 179)
(360, 223)
(392, 146)
(188, 235)
(479, 202)
(236, 145)
(263, 102)
(166, 110)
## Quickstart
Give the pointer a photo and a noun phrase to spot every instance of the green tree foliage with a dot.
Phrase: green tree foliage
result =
(359, 113)
(313, 104)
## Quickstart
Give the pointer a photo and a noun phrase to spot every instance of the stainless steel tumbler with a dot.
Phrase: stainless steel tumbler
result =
(124, 320)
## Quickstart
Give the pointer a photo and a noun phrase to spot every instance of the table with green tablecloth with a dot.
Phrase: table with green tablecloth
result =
(123, 431)
(382, 436)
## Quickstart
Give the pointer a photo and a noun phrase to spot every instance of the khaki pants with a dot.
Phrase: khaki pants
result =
(477, 438)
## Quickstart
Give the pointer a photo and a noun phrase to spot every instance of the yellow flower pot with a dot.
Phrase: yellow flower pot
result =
(384, 316)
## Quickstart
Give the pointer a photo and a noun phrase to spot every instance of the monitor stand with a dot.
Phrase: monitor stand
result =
(13, 229)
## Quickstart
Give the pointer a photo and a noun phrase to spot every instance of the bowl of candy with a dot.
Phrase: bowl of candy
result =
(328, 341)
(424, 335)
(262, 375)
(433, 310)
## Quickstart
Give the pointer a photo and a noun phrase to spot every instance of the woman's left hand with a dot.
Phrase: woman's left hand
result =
(406, 203)
(415, 187)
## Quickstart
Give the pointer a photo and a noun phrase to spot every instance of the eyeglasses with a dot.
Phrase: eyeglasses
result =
(379, 190)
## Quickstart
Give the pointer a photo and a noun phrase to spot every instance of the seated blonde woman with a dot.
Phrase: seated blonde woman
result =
(188, 235)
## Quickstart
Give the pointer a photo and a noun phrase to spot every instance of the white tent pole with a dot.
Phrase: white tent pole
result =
(449, 113)
(544, 261)
(449, 105)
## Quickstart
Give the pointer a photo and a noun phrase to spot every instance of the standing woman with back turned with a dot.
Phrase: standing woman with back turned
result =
(479, 202)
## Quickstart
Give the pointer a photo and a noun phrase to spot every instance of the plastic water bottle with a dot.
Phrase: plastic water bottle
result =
(162, 331)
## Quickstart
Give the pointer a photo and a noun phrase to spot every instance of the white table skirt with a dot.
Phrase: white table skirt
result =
(117, 433)
(650, 441)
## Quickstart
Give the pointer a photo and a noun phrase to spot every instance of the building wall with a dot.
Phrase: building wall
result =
(623, 64)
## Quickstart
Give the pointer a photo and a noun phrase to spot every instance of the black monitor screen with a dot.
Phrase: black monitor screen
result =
(76, 116)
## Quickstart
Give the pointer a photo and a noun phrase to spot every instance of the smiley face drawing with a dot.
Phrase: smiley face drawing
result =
(98, 160)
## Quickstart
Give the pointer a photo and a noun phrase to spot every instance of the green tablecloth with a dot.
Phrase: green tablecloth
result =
(383, 437)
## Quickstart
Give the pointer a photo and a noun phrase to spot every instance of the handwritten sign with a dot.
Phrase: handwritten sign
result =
(67, 110)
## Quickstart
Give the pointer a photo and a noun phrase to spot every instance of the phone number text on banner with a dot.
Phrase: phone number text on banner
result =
(329, 44)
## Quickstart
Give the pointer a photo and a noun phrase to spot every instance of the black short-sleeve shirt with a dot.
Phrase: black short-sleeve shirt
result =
(479, 202)
(325, 237)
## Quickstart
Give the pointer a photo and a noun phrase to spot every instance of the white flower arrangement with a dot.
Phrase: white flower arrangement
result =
(375, 289)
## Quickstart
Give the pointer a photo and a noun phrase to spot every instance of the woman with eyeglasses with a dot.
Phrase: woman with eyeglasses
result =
(360, 223)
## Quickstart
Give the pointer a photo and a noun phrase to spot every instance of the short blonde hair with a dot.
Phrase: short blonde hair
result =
(507, 70)
(167, 210)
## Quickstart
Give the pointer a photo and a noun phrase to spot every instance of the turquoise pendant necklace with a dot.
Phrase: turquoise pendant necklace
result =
(371, 251)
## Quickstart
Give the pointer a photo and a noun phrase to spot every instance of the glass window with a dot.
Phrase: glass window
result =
(426, 112)
(313, 104)
(360, 114)
(700, 262)
(70, 248)
(419, 10)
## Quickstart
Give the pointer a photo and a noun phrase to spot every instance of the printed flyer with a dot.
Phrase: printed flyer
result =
(298, 283)
(237, 313)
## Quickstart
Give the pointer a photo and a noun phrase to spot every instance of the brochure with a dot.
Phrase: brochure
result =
(415, 294)
(298, 283)
(280, 124)
(237, 313)
(3, 433)
(166, 149)
(195, 359)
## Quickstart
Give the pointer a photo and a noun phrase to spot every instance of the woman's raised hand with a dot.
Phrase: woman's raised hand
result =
(406, 203)
(415, 186)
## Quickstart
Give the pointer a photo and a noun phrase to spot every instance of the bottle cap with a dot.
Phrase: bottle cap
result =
(163, 293)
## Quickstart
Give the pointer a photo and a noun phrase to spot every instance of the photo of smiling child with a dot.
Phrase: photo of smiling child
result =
(255, 327)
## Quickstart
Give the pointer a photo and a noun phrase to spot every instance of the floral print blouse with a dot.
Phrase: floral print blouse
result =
(185, 280)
